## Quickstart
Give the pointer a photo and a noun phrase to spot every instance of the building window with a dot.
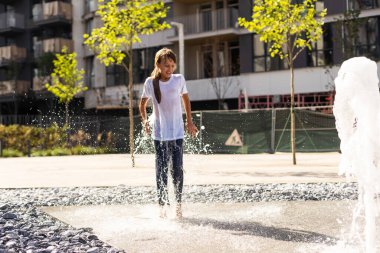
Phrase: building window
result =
(89, 26)
(89, 6)
(321, 53)
(116, 75)
(207, 61)
(143, 63)
(234, 56)
(206, 18)
(233, 12)
(262, 60)
(363, 4)
(368, 39)
(363, 41)
(90, 72)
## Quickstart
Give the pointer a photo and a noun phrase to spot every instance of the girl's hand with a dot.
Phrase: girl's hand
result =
(146, 127)
(191, 129)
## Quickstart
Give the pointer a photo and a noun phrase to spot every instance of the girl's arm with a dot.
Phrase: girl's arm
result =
(191, 128)
(142, 107)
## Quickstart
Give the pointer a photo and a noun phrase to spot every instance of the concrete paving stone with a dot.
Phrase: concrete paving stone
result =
(312, 226)
(113, 170)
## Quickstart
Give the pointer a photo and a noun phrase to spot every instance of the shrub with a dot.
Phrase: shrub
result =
(12, 153)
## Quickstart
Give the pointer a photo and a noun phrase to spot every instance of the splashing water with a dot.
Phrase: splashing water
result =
(356, 110)
(144, 143)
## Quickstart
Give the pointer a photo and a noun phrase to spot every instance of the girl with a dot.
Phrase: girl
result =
(166, 90)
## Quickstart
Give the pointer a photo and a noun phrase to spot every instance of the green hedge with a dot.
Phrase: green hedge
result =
(51, 141)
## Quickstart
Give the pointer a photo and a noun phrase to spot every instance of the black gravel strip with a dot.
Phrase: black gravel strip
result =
(24, 228)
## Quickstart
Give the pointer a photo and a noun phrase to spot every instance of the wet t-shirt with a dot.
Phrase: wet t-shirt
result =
(167, 115)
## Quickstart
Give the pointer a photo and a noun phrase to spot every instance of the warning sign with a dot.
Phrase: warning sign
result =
(234, 139)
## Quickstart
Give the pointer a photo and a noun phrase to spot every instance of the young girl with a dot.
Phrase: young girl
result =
(166, 90)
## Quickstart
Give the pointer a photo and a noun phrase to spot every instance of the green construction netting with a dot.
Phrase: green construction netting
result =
(261, 131)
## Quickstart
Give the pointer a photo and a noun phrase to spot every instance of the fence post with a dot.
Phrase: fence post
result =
(273, 132)
(28, 148)
(200, 132)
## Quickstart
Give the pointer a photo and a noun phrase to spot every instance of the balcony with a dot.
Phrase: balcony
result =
(89, 6)
(363, 4)
(54, 45)
(11, 23)
(13, 87)
(39, 83)
(108, 99)
(208, 22)
(52, 13)
(10, 54)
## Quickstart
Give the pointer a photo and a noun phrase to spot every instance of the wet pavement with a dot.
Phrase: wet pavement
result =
(312, 226)
(280, 226)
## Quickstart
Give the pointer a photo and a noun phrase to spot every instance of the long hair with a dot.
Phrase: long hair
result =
(162, 55)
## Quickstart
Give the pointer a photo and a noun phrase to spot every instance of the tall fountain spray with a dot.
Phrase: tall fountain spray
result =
(357, 114)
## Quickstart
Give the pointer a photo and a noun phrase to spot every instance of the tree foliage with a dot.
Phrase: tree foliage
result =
(123, 22)
(287, 27)
(66, 78)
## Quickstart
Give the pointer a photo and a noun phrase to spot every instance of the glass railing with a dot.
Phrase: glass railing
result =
(11, 53)
(53, 45)
(208, 21)
(50, 10)
(11, 20)
(13, 86)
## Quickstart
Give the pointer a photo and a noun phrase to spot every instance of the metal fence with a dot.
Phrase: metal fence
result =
(249, 131)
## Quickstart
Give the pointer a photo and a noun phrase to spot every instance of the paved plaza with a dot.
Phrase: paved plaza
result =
(112, 170)
(276, 226)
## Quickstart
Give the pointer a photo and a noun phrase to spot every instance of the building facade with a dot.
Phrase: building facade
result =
(221, 60)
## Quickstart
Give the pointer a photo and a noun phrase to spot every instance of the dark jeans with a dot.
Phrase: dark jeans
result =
(167, 151)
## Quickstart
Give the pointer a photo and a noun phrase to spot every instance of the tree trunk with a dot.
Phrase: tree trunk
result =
(292, 115)
(67, 114)
(67, 123)
(131, 123)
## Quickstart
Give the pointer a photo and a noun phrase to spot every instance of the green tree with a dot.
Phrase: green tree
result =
(123, 22)
(66, 79)
(288, 28)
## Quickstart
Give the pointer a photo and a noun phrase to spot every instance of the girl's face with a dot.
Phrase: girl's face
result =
(167, 68)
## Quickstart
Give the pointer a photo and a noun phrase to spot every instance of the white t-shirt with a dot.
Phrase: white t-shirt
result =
(167, 115)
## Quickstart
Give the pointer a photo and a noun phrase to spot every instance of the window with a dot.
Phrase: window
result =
(233, 12)
(361, 38)
(261, 57)
(206, 18)
(89, 6)
(116, 75)
(220, 15)
(89, 26)
(368, 39)
(207, 61)
(90, 72)
(234, 55)
(321, 54)
(143, 63)
(363, 4)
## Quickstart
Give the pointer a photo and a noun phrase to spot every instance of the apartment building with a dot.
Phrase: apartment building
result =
(220, 59)
(31, 32)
